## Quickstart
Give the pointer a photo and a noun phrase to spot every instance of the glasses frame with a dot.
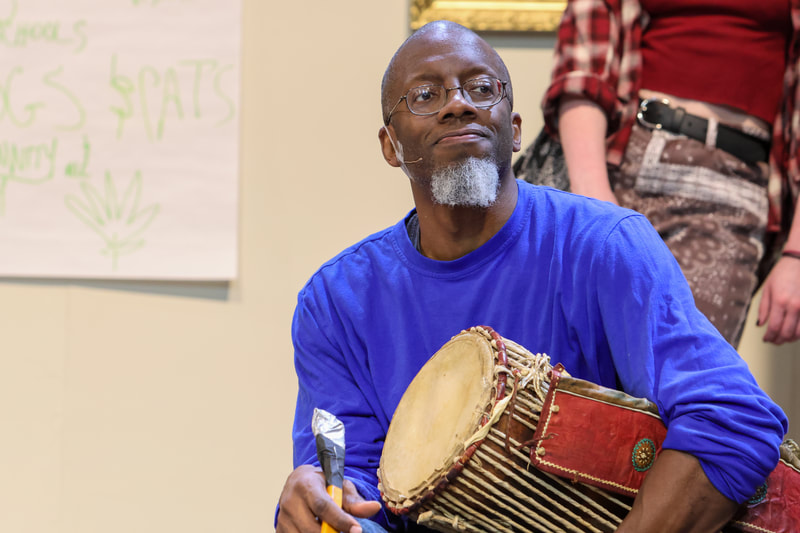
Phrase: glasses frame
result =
(503, 94)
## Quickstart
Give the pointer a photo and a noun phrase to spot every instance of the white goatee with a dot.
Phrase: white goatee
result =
(470, 183)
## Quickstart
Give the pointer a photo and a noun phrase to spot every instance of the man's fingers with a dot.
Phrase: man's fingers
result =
(365, 509)
(294, 515)
(326, 509)
(289, 522)
(355, 504)
(305, 502)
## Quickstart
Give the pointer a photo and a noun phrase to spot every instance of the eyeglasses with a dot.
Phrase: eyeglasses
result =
(482, 93)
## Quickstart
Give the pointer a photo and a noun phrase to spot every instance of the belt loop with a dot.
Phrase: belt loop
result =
(711, 133)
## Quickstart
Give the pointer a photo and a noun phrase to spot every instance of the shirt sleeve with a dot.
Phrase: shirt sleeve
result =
(587, 59)
(705, 393)
(784, 178)
(333, 376)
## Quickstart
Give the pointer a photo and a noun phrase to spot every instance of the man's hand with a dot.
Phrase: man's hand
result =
(676, 496)
(780, 302)
(304, 503)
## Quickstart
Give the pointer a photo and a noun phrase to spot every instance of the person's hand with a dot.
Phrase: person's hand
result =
(780, 302)
(304, 503)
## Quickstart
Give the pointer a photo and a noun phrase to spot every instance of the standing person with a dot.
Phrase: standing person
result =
(669, 108)
(589, 283)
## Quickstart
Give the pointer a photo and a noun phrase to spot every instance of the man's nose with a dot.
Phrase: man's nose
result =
(456, 103)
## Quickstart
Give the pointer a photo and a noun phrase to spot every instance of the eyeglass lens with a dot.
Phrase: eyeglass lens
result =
(481, 92)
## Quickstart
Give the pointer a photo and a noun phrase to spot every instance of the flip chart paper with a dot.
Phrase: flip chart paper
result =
(119, 124)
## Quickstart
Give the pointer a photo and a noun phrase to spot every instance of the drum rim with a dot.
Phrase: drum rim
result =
(498, 346)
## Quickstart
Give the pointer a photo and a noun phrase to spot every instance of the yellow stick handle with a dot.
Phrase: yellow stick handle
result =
(335, 493)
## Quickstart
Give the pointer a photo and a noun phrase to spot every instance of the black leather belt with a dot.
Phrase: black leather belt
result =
(657, 113)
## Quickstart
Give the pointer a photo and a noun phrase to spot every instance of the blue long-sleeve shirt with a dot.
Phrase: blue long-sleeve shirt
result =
(588, 283)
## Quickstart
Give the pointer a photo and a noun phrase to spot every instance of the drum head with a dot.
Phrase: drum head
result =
(439, 411)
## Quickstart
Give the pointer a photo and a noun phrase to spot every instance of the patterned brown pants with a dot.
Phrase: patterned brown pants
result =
(711, 210)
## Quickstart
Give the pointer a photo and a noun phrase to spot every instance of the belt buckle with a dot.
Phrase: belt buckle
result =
(643, 109)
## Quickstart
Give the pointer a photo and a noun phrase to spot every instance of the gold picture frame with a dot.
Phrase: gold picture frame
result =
(491, 15)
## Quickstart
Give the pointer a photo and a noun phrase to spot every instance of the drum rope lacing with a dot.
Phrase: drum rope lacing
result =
(535, 371)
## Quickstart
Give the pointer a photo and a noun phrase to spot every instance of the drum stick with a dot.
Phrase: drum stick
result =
(329, 433)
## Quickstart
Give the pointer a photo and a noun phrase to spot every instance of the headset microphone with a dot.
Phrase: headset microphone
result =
(398, 149)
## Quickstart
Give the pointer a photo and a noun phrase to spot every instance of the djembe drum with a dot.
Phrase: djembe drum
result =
(491, 437)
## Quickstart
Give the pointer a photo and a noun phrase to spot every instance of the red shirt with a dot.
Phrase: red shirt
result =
(598, 56)
(730, 52)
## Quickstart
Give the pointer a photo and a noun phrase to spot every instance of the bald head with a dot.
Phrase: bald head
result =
(429, 37)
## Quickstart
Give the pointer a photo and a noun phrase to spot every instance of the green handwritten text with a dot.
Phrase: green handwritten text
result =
(78, 169)
(154, 96)
(21, 34)
(25, 163)
(23, 111)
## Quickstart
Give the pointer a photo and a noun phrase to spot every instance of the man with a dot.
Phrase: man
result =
(588, 283)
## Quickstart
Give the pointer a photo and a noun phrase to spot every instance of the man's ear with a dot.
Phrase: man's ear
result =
(387, 146)
(516, 125)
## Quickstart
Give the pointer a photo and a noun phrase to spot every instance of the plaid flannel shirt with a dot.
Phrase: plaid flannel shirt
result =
(598, 56)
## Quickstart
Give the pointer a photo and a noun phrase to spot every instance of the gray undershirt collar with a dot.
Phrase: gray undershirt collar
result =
(412, 227)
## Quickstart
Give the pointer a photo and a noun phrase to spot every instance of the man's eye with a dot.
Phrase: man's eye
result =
(483, 88)
(423, 95)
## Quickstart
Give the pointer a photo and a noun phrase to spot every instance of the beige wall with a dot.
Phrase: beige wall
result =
(132, 407)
